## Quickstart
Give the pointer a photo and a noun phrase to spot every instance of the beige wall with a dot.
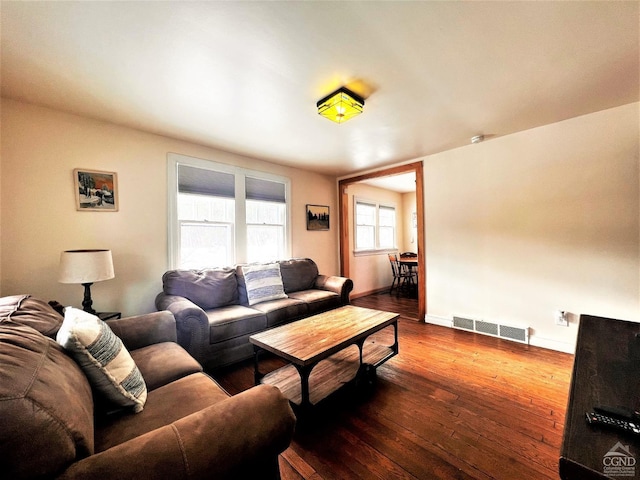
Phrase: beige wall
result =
(40, 149)
(523, 225)
(410, 237)
(372, 272)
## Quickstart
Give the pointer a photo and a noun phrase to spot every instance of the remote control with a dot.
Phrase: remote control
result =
(618, 412)
(595, 418)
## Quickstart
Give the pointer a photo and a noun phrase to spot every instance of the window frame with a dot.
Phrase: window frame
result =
(227, 225)
(377, 249)
(265, 224)
(174, 160)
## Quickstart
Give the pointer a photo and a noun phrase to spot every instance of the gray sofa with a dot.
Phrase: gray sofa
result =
(213, 315)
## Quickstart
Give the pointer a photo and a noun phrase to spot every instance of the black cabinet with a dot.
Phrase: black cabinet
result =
(606, 372)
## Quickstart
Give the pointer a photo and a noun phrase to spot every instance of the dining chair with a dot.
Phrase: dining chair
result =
(403, 278)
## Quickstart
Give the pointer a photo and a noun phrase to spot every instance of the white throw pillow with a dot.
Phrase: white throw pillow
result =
(103, 358)
(264, 282)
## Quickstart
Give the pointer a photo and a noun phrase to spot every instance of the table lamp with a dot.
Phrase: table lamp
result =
(86, 267)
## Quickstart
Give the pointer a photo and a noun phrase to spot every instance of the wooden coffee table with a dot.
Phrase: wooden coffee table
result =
(327, 341)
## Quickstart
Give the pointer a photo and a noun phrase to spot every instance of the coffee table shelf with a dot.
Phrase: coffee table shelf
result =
(329, 375)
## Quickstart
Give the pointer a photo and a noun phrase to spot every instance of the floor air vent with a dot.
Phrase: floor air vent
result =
(509, 332)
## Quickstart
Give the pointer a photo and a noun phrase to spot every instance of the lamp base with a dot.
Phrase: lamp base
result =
(87, 302)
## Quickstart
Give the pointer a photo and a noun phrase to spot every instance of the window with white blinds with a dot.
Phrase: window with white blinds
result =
(220, 215)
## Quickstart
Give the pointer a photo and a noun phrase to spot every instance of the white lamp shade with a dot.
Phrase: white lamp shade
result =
(85, 266)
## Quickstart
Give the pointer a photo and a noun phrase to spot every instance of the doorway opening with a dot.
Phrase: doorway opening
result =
(346, 228)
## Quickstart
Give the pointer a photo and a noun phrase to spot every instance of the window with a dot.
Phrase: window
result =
(375, 226)
(220, 215)
(386, 227)
(365, 226)
(208, 241)
(266, 213)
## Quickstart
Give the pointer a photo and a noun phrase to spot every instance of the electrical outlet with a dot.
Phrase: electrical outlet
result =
(561, 318)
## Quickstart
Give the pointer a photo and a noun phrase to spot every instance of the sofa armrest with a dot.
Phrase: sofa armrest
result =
(340, 285)
(143, 330)
(217, 442)
(192, 323)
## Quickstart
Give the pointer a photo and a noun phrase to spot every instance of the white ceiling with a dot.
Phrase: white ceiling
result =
(245, 76)
(403, 182)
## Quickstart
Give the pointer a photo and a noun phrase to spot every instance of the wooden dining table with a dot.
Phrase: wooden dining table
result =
(411, 262)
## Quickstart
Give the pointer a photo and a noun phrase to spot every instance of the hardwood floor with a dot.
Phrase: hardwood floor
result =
(451, 405)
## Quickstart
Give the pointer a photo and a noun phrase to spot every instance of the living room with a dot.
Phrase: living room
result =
(536, 218)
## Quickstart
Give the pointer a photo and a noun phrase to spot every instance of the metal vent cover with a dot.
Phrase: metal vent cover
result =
(514, 333)
(486, 327)
(508, 332)
(465, 323)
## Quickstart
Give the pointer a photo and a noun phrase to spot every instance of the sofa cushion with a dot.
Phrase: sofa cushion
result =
(263, 283)
(45, 406)
(209, 288)
(35, 313)
(164, 405)
(318, 300)
(103, 358)
(234, 321)
(162, 363)
(298, 274)
(282, 311)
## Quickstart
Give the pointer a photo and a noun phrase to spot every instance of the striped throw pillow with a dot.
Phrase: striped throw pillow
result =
(264, 283)
(103, 358)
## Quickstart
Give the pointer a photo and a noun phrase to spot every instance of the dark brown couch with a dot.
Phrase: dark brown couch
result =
(213, 315)
(53, 426)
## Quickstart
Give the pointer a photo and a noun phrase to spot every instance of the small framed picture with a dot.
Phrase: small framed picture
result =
(317, 217)
(96, 191)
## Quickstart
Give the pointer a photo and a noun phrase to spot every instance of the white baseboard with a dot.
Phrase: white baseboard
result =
(552, 344)
(441, 321)
(533, 340)
(368, 292)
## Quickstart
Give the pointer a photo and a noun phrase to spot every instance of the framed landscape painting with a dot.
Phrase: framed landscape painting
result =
(96, 191)
(317, 217)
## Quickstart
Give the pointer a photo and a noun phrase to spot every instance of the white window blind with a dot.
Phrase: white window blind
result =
(205, 182)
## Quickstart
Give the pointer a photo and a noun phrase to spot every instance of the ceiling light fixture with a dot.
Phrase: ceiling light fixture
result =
(477, 139)
(341, 105)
